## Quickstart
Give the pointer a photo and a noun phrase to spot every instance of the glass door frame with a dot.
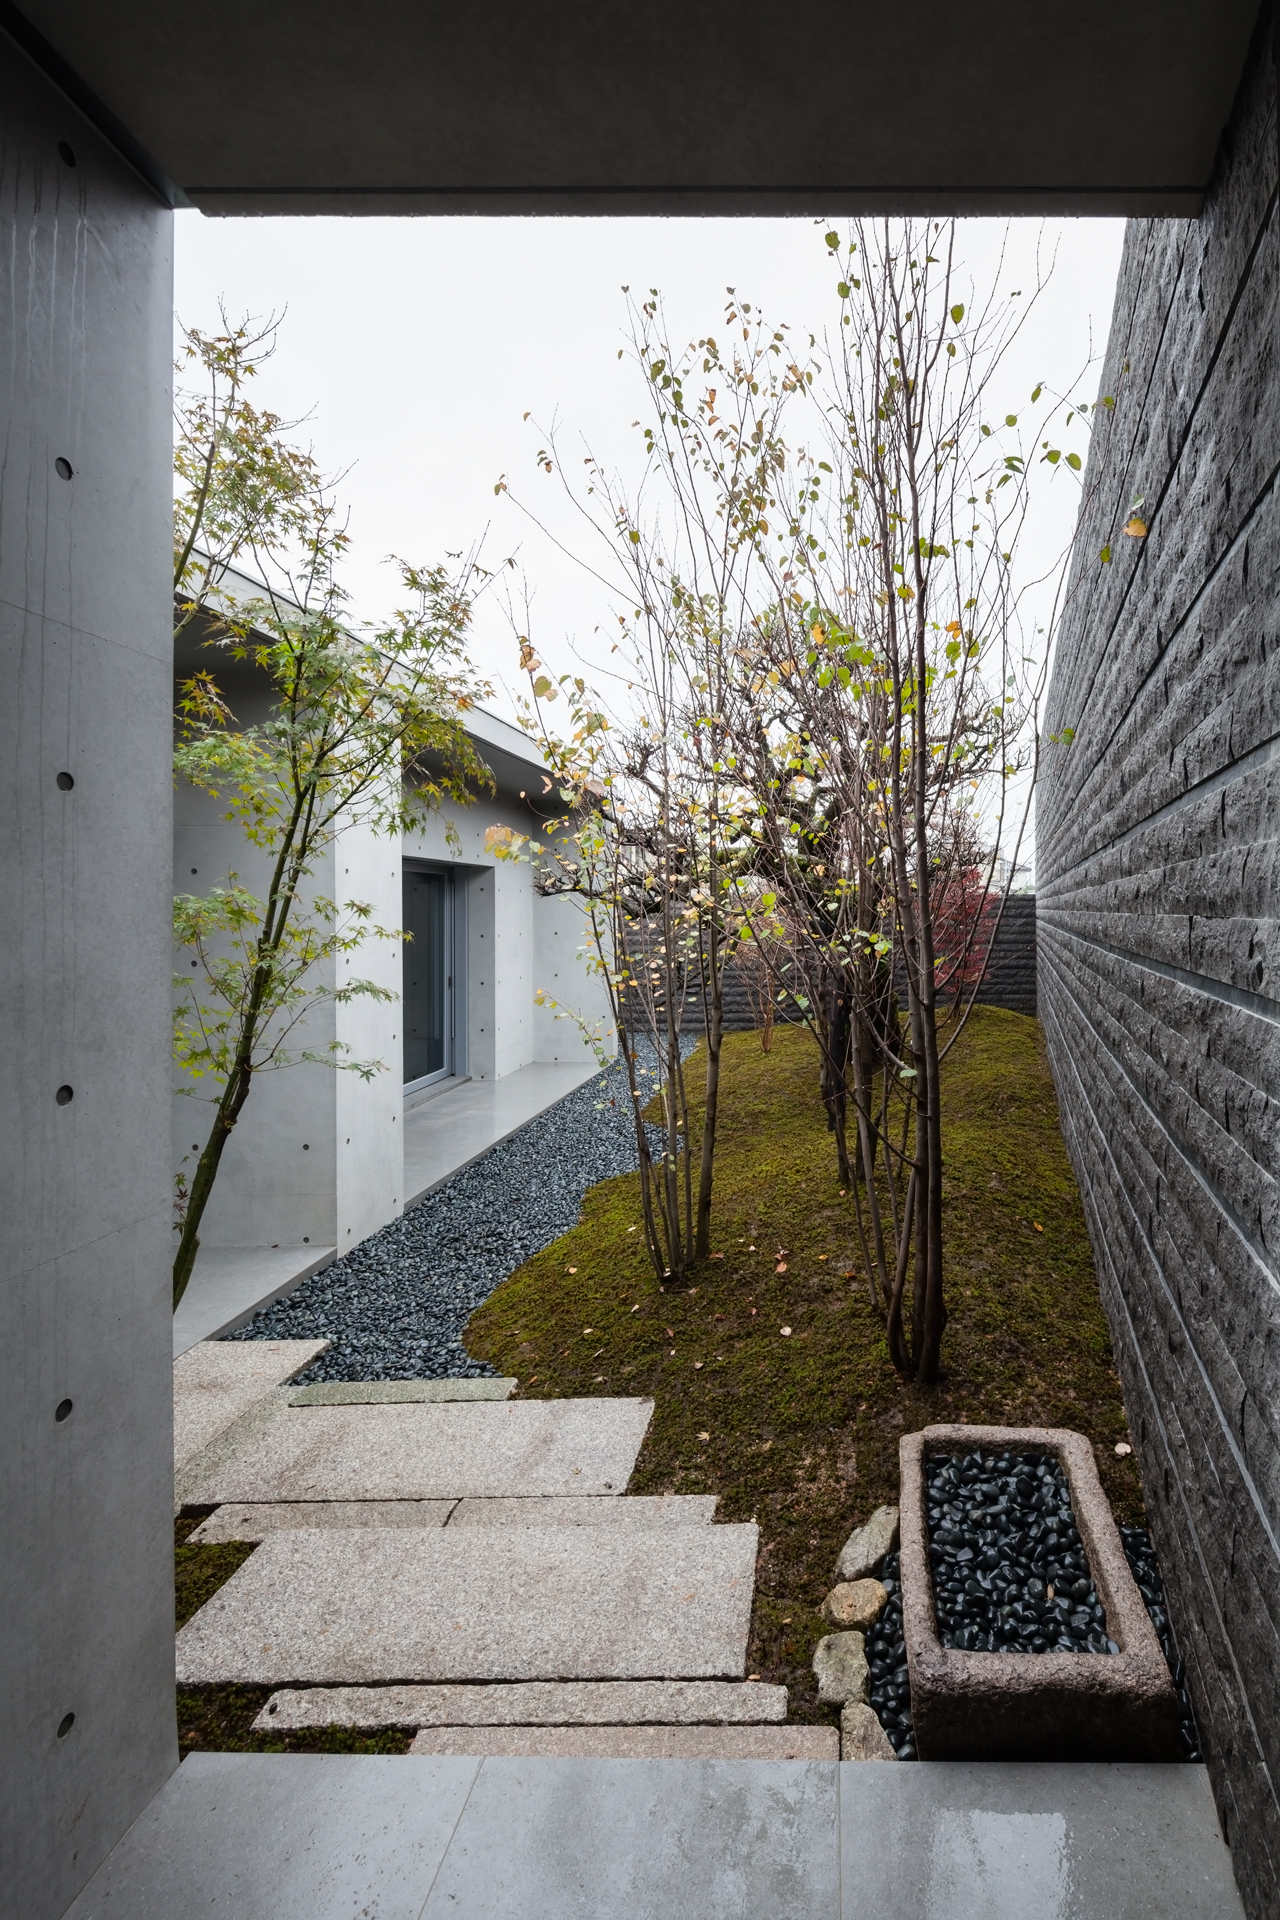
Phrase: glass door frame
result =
(449, 1070)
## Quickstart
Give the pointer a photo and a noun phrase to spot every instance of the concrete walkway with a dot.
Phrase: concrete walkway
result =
(445, 1134)
(229, 1284)
(418, 1837)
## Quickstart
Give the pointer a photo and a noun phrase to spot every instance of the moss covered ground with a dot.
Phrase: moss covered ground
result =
(770, 1374)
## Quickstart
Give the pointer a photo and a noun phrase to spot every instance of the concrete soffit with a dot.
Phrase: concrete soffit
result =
(306, 106)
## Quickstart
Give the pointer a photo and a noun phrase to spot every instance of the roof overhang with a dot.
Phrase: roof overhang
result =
(673, 107)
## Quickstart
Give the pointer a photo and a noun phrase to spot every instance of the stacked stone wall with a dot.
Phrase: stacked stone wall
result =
(1158, 869)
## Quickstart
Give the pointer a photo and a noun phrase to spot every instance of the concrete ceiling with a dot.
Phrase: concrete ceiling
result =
(675, 106)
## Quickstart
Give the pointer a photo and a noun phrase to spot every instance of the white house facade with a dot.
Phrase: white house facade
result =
(319, 1159)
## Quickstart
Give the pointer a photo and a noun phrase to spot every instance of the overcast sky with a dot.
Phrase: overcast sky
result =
(417, 345)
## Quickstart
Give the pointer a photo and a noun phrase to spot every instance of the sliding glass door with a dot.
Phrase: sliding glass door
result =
(428, 975)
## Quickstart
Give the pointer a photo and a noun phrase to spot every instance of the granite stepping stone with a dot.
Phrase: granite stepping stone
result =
(217, 1381)
(494, 1603)
(419, 1451)
(537, 1703)
(635, 1743)
(257, 1520)
(636, 1510)
(360, 1393)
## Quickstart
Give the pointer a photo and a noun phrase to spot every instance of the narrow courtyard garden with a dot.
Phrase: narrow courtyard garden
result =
(770, 1374)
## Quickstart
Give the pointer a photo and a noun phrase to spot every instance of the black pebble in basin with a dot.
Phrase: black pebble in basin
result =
(1009, 1568)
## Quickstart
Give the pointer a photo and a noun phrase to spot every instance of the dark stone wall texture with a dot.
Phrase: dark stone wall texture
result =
(1159, 941)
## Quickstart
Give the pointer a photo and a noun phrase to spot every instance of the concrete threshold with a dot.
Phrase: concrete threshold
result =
(230, 1284)
(282, 1836)
(446, 1134)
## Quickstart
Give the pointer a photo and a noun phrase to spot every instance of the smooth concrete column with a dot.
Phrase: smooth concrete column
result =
(86, 1603)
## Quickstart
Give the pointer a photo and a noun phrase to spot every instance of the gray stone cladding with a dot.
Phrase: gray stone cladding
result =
(1159, 945)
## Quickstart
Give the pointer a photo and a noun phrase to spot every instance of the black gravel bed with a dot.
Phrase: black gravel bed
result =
(1140, 1554)
(890, 1688)
(1001, 1536)
(395, 1307)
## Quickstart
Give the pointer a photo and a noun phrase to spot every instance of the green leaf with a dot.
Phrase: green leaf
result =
(1035, 394)
(541, 687)
(833, 240)
(957, 314)
(1011, 419)
(842, 288)
(1105, 556)
(1073, 461)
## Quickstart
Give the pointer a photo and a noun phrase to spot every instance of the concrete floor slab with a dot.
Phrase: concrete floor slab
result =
(445, 1134)
(359, 1393)
(493, 1603)
(635, 1743)
(538, 1703)
(421, 1452)
(217, 1381)
(240, 1836)
(229, 1285)
(285, 1516)
(547, 1839)
(636, 1510)
(1007, 1841)
(284, 1836)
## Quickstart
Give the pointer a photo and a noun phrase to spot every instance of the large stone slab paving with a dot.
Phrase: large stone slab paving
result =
(359, 1393)
(423, 1452)
(302, 1840)
(636, 1510)
(284, 1516)
(493, 1603)
(292, 1836)
(635, 1743)
(284, 1836)
(593, 1839)
(950, 1840)
(541, 1703)
(217, 1381)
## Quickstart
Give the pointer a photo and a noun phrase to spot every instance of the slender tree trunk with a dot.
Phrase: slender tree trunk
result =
(714, 1007)
(229, 1110)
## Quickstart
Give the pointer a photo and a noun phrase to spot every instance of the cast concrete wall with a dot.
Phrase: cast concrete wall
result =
(1159, 947)
(86, 1589)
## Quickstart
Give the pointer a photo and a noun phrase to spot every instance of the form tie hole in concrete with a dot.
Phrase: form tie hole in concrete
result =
(66, 782)
(63, 467)
(306, 1146)
(65, 1725)
(62, 1409)
(64, 1096)
(66, 153)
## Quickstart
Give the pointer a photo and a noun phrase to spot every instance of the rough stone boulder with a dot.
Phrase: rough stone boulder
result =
(840, 1662)
(864, 1550)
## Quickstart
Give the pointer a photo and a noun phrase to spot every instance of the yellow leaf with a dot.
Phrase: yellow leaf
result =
(953, 626)
(1135, 528)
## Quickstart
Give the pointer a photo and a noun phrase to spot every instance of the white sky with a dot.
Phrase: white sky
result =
(416, 346)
